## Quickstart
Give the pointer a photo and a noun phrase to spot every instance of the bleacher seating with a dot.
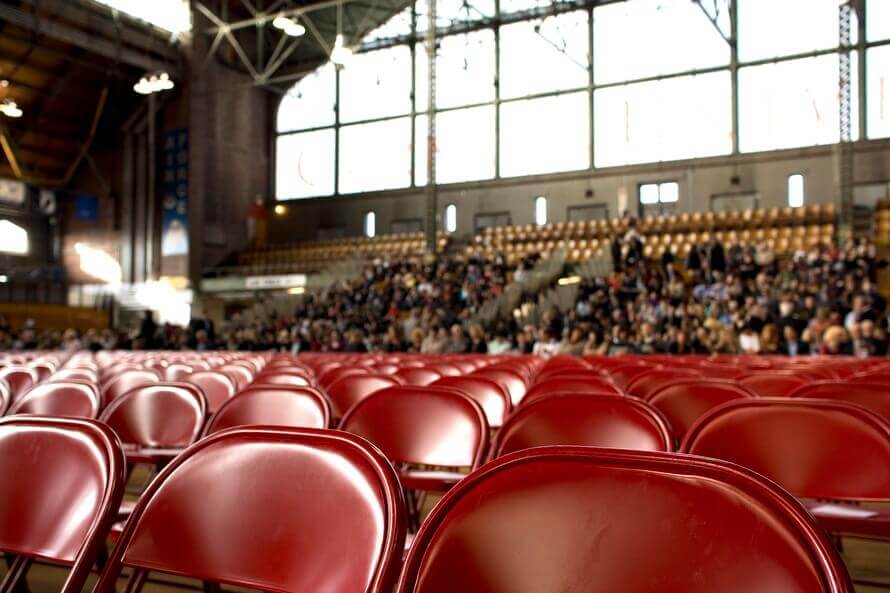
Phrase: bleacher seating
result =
(882, 223)
(783, 229)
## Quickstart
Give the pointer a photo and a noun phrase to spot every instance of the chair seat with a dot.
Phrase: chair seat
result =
(429, 481)
(854, 521)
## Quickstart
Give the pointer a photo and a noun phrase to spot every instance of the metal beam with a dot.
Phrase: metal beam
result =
(264, 18)
(80, 39)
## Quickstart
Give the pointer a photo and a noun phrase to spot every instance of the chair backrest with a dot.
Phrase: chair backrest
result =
(217, 387)
(511, 380)
(418, 377)
(553, 386)
(685, 401)
(20, 379)
(76, 373)
(813, 448)
(240, 374)
(69, 477)
(60, 398)
(332, 375)
(422, 426)
(281, 378)
(591, 420)
(624, 374)
(772, 384)
(160, 415)
(295, 510)
(874, 396)
(127, 380)
(297, 407)
(492, 396)
(645, 384)
(347, 391)
(5, 396)
(177, 371)
(587, 519)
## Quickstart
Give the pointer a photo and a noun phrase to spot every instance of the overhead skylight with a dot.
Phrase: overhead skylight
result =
(170, 15)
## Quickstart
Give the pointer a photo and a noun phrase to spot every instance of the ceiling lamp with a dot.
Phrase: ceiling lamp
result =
(290, 26)
(153, 83)
(340, 54)
(9, 108)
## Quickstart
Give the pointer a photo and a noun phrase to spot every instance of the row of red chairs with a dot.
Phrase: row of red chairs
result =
(283, 509)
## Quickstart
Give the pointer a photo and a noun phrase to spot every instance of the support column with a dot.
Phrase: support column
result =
(431, 189)
(845, 160)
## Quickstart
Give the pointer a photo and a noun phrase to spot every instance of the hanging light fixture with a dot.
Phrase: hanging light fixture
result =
(341, 54)
(153, 83)
(290, 26)
(9, 108)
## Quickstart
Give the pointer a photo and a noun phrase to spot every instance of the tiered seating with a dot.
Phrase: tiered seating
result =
(584, 457)
(783, 229)
(313, 256)
(882, 223)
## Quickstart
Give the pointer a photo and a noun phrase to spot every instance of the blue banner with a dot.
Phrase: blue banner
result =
(174, 219)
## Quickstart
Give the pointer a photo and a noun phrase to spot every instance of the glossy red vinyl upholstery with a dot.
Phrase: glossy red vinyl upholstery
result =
(295, 510)
(165, 415)
(589, 520)
(347, 391)
(273, 406)
(817, 449)
(591, 420)
(492, 396)
(685, 401)
(874, 396)
(429, 426)
(125, 381)
(20, 379)
(217, 387)
(645, 384)
(60, 398)
(69, 477)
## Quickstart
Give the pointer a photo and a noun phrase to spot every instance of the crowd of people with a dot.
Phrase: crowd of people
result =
(718, 300)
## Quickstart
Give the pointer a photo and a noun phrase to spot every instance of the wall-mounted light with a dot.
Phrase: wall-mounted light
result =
(296, 290)
(4, 278)
(280, 209)
(98, 264)
(9, 108)
(155, 82)
(289, 26)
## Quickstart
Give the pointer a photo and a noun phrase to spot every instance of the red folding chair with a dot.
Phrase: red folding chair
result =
(492, 396)
(63, 479)
(60, 398)
(20, 379)
(240, 374)
(579, 419)
(815, 449)
(773, 384)
(294, 510)
(5, 396)
(77, 374)
(297, 407)
(177, 371)
(587, 519)
(272, 377)
(155, 422)
(119, 384)
(217, 387)
(647, 383)
(685, 401)
(512, 381)
(584, 386)
(347, 391)
(423, 426)
(418, 377)
(874, 396)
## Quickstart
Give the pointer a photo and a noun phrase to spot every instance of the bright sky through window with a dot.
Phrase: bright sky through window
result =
(170, 15)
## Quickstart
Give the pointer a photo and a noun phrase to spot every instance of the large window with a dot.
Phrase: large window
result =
(556, 87)
(663, 120)
(13, 238)
(795, 190)
(789, 104)
(545, 135)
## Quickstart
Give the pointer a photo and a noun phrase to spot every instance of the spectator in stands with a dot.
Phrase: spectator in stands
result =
(792, 343)
(547, 344)
(477, 343)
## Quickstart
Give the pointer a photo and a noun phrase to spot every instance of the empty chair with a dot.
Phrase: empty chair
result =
(683, 402)
(347, 391)
(773, 384)
(580, 419)
(240, 374)
(20, 379)
(817, 449)
(298, 407)
(875, 397)
(177, 371)
(493, 397)
(510, 379)
(156, 421)
(281, 378)
(78, 374)
(125, 381)
(59, 398)
(217, 387)
(428, 426)
(553, 386)
(417, 376)
(69, 477)
(583, 519)
(624, 374)
(5, 396)
(332, 375)
(295, 510)
(647, 383)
